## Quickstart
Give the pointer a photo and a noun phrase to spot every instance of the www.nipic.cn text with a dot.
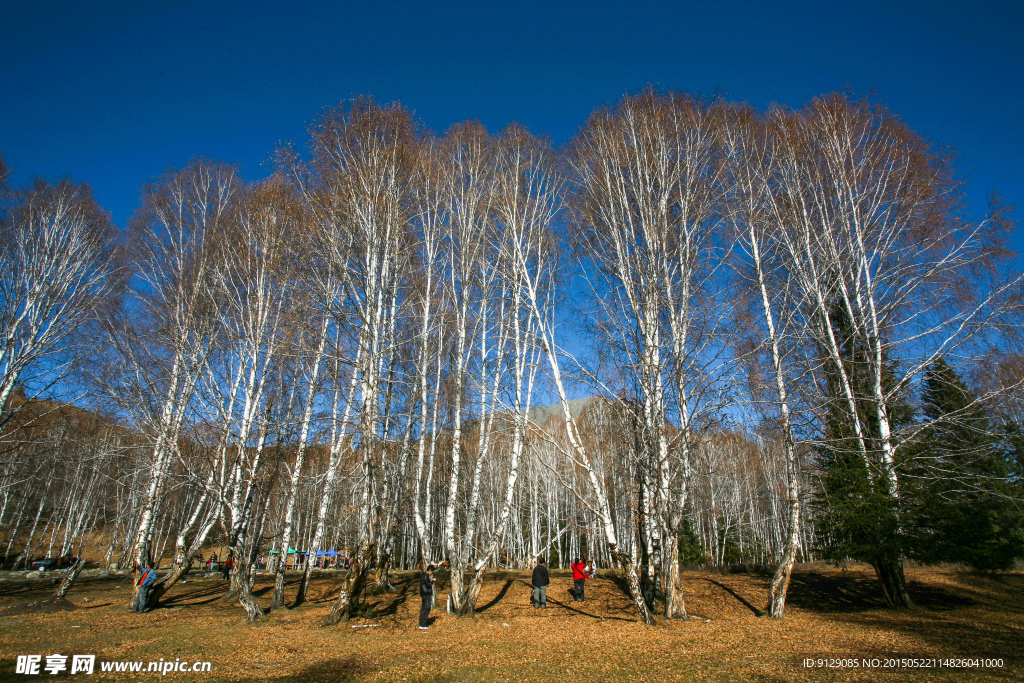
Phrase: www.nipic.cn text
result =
(34, 665)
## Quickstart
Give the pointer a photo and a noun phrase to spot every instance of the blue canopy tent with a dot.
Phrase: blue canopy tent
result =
(326, 553)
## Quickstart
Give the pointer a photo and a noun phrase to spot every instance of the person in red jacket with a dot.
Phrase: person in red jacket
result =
(579, 577)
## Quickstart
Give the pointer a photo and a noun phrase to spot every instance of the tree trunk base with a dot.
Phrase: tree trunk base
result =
(633, 579)
(242, 590)
(277, 601)
(69, 580)
(780, 587)
(300, 593)
(351, 588)
(893, 581)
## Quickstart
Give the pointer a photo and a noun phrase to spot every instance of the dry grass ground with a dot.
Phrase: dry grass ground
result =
(832, 614)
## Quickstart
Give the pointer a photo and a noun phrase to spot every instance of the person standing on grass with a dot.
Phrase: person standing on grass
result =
(427, 594)
(146, 580)
(227, 568)
(540, 585)
(579, 577)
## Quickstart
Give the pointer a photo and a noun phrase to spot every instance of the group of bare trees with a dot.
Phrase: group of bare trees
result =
(350, 353)
(58, 275)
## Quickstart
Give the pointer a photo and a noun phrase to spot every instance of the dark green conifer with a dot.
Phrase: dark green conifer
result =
(959, 479)
(857, 516)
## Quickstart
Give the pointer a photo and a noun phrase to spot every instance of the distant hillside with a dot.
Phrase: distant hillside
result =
(541, 414)
(537, 414)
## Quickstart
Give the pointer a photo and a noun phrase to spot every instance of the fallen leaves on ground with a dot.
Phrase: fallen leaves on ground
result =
(832, 614)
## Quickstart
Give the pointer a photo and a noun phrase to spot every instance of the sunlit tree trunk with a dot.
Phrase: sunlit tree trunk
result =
(300, 454)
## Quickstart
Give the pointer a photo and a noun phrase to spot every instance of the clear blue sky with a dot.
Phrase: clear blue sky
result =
(114, 93)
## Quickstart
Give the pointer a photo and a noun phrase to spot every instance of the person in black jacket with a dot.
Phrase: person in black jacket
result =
(540, 586)
(427, 594)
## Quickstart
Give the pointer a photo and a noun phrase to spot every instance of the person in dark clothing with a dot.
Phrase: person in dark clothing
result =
(147, 577)
(427, 594)
(579, 577)
(540, 585)
(227, 568)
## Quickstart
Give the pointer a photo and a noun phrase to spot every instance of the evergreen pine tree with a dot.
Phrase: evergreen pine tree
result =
(1012, 445)
(958, 480)
(857, 516)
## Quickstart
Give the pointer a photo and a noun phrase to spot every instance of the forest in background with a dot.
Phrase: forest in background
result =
(697, 334)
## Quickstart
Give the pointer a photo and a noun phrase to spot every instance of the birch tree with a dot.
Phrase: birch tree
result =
(466, 196)
(253, 292)
(527, 196)
(363, 157)
(750, 182)
(176, 235)
(885, 265)
(648, 187)
(57, 262)
(310, 378)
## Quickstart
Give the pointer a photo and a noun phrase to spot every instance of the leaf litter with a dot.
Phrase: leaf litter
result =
(832, 614)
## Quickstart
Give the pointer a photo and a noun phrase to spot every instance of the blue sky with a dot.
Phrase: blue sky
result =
(114, 93)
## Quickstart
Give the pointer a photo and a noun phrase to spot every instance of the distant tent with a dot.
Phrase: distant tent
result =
(332, 552)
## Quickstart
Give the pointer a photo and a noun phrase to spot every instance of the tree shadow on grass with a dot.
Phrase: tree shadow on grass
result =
(831, 594)
(740, 598)
(326, 595)
(399, 600)
(497, 598)
(946, 638)
(988, 626)
(570, 608)
(1004, 591)
(372, 603)
(623, 585)
(43, 587)
(269, 589)
(193, 598)
(341, 670)
(48, 606)
(13, 589)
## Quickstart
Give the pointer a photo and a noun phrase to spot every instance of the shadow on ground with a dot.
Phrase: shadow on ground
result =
(739, 598)
(497, 598)
(987, 626)
(837, 593)
(340, 670)
(392, 600)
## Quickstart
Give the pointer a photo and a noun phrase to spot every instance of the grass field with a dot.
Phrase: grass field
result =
(832, 614)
